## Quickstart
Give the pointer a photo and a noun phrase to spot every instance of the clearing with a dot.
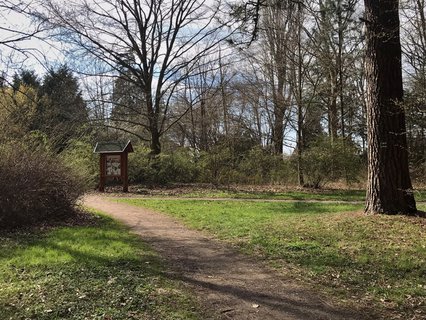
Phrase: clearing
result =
(228, 283)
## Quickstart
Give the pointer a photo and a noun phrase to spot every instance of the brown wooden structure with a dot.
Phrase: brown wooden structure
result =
(113, 162)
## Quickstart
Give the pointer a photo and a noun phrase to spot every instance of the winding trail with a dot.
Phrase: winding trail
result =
(230, 285)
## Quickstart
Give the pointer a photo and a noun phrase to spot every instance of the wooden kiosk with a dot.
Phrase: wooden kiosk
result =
(113, 162)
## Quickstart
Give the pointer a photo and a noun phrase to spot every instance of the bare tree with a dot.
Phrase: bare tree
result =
(279, 29)
(14, 36)
(414, 49)
(201, 125)
(336, 46)
(154, 45)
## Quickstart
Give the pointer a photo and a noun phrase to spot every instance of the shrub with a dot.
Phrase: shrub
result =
(325, 161)
(259, 166)
(218, 166)
(179, 166)
(79, 156)
(35, 186)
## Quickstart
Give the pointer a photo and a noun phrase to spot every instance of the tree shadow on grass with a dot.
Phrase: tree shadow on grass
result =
(420, 214)
(90, 282)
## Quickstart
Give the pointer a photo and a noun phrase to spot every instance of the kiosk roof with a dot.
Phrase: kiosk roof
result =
(113, 147)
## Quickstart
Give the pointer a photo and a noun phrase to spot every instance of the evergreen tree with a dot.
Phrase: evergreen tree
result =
(63, 111)
(27, 78)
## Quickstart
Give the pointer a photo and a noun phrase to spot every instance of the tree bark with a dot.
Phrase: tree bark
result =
(300, 125)
(389, 188)
(155, 143)
(279, 109)
(204, 144)
(154, 131)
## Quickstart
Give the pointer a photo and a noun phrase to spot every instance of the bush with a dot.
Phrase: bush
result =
(259, 166)
(79, 156)
(218, 166)
(35, 186)
(325, 161)
(179, 166)
(225, 165)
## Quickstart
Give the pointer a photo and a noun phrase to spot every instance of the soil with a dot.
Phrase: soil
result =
(228, 284)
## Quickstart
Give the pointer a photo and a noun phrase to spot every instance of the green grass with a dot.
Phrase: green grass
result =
(86, 272)
(320, 195)
(371, 260)
(333, 195)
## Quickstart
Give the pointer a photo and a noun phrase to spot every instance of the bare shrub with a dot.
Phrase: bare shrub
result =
(35, 186)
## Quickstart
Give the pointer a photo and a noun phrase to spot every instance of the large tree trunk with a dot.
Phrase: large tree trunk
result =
(389, 187)
(300, 116)
(155, 145)
(204, 144)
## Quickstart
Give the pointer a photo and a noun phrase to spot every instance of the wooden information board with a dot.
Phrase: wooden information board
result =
(113, 162)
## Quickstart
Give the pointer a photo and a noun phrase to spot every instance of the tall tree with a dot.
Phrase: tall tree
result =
(63, 110)
(27, 78)
(127, 101)
(389, 188)
(335, 45)
(414, 49)
(278, 24)
(166, 39)
(18, 112)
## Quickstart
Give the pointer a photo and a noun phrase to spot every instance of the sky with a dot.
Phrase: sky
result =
(33, 53)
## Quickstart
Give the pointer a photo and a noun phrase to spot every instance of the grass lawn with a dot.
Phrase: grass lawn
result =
(321, 195)
(86, 272)
(334, 195)
(379, 261)
(245, 192)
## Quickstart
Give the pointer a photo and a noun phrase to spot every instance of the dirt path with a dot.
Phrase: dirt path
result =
(231, 285)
